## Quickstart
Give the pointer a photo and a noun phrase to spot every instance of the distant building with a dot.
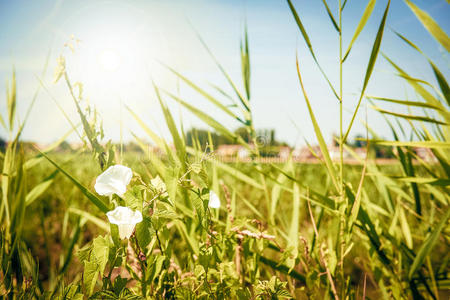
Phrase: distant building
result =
(231, 150)
(425, 153)
(284, 152)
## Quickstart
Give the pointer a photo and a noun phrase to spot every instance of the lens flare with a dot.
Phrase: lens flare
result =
(109, 60)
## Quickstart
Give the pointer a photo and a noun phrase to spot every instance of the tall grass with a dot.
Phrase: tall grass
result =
(282, 231)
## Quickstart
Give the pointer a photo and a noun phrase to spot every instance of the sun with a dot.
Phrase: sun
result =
(109, 60)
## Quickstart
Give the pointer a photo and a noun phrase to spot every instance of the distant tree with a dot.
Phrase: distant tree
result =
(64, 146)
(2, 144)
(265, 137)
(243, 133)
(359, 141)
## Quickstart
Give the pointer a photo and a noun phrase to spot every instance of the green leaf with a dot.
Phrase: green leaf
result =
(437, 73)
(293, 228)
(191, 242)
(99, 222)
(90, 275)
(276, 195)
(362, 22)
(421, 91)
(308, 43)
(73, 241)
(245, 63)
(371, 64)
(235, 172)
(100, 252)
(282, 268)
(442, 82)
(155, 138)
(205, 118)
(425, 144)
(319, 136)
(245, 102)
(405, 228)
(428, 245)
(143, 232)
(425, 180)
(433, 28)
(94, 199)
(177, 140)
(11, 100)
(406, 102)
(84, 253)
(38, 190)
(204, 94)
(330, 14)
(409, 117)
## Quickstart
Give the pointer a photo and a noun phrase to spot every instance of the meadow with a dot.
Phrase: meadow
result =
(77, 224)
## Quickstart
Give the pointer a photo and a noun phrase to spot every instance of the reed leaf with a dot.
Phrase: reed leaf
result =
(294, 226)
(371, 64)
(430, 24)
(94, 199)
(245, 63)
(362, 22)
(406, 102)
(428, 245)
(320, 139)
(425, 144)
(206, 118)
(206, 95)
(409, 117)
(330, 14)
(244, 101)
(437, 73)
(308, 43)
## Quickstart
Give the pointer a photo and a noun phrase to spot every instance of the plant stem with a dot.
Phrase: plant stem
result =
(342, 208)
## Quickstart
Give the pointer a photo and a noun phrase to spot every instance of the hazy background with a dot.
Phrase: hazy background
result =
(142, 33)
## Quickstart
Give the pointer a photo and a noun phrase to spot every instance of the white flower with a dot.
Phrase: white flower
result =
(113, 181)
(126, 219)
(214, 201)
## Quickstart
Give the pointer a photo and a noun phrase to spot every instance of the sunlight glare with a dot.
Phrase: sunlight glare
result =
(109, 60)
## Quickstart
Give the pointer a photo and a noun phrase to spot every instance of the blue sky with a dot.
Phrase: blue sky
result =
(141, 33)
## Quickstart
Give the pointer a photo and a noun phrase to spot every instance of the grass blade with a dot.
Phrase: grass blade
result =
(428, 245)
(205, 94)
(433, 28)
(94, 199)
(330, 14)
(177, 140)
(425, 144)
(206, 118)
(11, 99)
(421, 90)
(409, 117)
(406, 102)
(362, 22)
(437, 73)
(308, 43)
(322, 144)
(156, 139)
(230, 170)
(245, 102)
(245, 63)
(293, 228)
(371, 64)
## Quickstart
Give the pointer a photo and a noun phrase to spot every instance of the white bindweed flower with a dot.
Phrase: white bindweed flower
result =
(126, 219)
(214, 201)
(113, 181)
